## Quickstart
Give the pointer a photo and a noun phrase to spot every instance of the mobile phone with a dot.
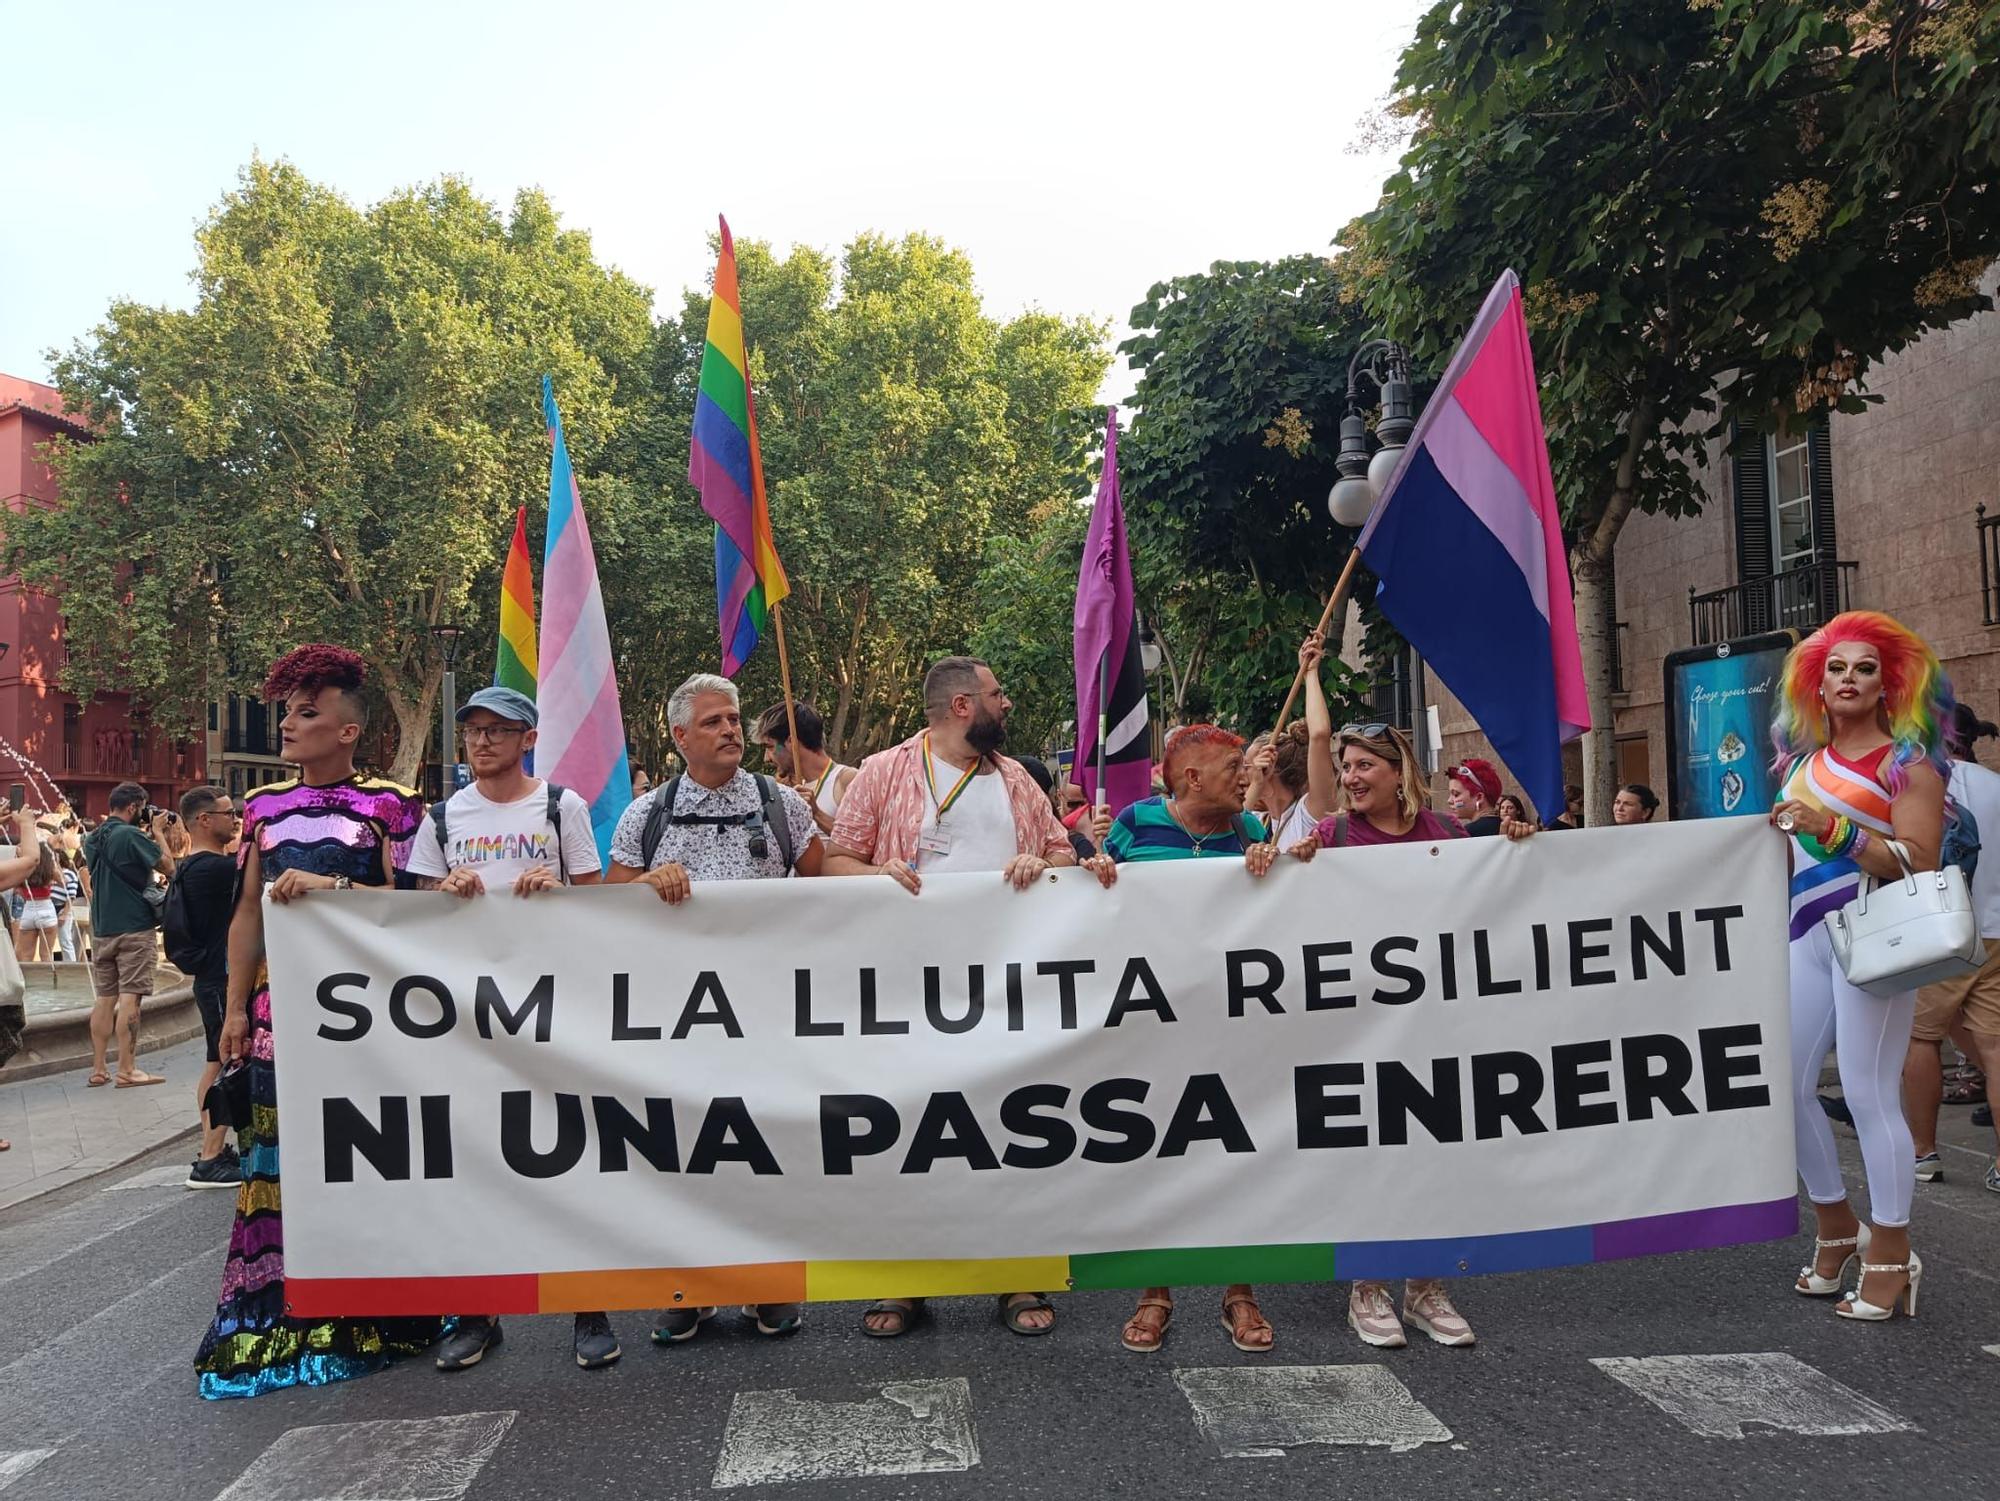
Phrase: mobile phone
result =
(17, 797)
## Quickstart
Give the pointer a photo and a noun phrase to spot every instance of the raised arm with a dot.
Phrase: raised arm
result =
(1322, 779)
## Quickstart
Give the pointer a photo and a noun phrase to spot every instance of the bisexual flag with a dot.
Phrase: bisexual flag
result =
(1467, 544)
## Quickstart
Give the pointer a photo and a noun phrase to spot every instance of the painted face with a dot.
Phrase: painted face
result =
(1852, 682)
(1625, 808)
(777, 757)
(316, 727)
(1371, 780)
(713, 740)
(1459, 799)
(494, 746)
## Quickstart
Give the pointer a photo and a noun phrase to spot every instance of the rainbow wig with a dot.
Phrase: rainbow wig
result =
(312, 667)
(1916, 695)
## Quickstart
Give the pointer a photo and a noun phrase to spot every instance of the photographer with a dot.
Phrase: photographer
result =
(122, 857)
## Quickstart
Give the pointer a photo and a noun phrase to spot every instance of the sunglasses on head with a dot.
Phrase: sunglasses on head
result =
(1366, 731)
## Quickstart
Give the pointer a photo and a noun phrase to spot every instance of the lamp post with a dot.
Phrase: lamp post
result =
(447, 637)
(1362, 479)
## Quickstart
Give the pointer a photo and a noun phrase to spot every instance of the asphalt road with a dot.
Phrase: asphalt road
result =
(1580, 1386)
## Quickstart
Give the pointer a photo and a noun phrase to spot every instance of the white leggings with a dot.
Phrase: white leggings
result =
(1872, 1036)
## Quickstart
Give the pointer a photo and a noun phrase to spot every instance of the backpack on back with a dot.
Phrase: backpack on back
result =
(770, 813)
(553, 814)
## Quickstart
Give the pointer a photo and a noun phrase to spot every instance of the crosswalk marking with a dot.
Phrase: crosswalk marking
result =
(14, 1463)
(1720, 1396)
(159, 1177)
(405, 1459)
(848, 1432)
(1258, 1413)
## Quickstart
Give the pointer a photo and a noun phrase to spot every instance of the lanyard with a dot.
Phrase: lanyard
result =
(820, 785)
(944, 804)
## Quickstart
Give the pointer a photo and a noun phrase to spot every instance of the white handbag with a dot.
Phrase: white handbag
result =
(1898, 935)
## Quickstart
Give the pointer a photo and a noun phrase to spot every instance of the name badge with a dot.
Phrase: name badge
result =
(934, 841)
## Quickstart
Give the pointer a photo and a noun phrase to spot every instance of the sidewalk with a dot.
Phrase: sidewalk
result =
(64, 1132)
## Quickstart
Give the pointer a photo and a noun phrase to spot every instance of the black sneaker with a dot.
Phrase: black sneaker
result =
(596, 1345)
(1982, 1115)
(468, 1343)
(678, 1324)
(224, 1170)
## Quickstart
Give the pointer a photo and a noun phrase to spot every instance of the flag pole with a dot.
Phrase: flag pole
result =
(1103, 722)
(1333, 603)
(785, 681)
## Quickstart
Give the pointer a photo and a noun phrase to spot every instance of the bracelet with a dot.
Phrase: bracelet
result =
(1838, 836)
(1859, 845)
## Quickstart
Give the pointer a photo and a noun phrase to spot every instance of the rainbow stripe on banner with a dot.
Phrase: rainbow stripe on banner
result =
(837, 1281)
(514, 664)
(725, 465)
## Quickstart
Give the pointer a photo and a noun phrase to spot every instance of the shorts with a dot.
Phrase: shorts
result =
(37, 915)
(1974, 997)
(123, 964)
(209, 999)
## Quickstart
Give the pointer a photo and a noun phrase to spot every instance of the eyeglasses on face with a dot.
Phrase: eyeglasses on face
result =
(229, 813)
(480, 733)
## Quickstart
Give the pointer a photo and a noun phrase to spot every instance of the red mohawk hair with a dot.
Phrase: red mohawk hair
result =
(313, 667)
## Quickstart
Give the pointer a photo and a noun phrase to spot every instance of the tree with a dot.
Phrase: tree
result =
(1243, 376)
(329, 445)
(1719, 210)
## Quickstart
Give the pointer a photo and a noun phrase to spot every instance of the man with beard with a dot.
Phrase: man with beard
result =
(945, 802)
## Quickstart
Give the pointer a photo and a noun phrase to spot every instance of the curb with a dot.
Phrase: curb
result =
(84, 1172)
(59, 1041)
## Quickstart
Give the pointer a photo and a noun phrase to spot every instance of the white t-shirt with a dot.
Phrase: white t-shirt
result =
(1294, 824)
(500, 840)
(1978, 791)
(980, 826)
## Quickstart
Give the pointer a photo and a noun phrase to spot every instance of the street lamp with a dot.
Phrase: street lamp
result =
(1363, 479)
(1149, 649)
(447, 638)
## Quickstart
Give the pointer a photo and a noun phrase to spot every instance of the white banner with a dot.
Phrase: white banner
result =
(1464, 1057)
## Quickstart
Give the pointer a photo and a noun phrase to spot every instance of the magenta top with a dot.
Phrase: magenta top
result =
(1428, 826)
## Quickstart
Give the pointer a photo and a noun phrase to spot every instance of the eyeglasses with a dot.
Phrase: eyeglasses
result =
(1366, 731)
(476, 734)
(231, 814)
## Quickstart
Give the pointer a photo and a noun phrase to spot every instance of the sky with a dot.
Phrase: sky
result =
(1078, 152)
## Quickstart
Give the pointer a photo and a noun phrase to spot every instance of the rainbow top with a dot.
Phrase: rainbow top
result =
(725, 466)
(514, 665)
(1830, 783)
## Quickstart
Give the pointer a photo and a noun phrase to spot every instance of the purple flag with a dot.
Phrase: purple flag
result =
(1107, 651)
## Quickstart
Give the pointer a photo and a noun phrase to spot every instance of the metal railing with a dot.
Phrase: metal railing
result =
(1805, 597)
(1989, 562)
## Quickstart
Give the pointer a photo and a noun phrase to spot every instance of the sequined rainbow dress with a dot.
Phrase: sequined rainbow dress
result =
(252, 1346)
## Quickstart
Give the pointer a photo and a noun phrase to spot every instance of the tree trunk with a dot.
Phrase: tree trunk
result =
(414, 725)
(1595, 607)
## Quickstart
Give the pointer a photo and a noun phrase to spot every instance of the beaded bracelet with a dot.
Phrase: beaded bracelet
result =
(1840, 838)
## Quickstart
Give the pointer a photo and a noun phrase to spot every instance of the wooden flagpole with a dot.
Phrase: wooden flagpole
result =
(785, 681)
(1333, 603)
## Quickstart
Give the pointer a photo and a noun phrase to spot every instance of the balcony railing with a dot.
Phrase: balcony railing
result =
(1805, 597)
(1989, 562)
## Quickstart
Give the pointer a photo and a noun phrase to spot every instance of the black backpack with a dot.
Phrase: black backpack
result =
(554, 816)
(185, 952)
(770, 814)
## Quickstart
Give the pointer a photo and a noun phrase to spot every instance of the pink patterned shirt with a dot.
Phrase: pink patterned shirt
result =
(882, 811)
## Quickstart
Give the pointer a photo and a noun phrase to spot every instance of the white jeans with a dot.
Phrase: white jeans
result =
(1872, 1037)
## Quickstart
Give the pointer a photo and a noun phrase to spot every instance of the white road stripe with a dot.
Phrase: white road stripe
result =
(399, 1459)
(16, 1463)
(159, 1177)
(46, 1242)
(1260, 1412)
(1991, 1349)
(1720, 1396)
(842, 1433)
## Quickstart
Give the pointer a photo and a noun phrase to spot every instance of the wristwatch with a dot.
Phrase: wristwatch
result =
(343, 883)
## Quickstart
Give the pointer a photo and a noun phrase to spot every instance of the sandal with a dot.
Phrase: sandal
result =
(1010, 1312)
(905, 1311)
(1240, 1328)
(1963, 1085)
(1141, 1335)
(138, 1081)
(97, 1081)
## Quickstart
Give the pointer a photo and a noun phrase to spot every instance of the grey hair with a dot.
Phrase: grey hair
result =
(680, 707)
(949, 677)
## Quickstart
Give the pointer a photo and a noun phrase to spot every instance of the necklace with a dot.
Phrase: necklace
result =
(1198, 841)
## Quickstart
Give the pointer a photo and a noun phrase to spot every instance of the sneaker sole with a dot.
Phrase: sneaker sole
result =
(205, 1183)
(601, 1362)
(1394, 1341)
(691, 1331)
(1456, 1341)
(1935, 1175)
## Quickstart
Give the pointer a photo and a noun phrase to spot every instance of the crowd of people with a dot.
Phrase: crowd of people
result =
(1877, 771)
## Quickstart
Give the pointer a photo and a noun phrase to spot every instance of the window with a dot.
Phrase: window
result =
(1786, 574)
(1791, 499)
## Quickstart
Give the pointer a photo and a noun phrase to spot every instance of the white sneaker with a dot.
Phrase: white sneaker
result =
(1373, 1316)
(1930, 1169)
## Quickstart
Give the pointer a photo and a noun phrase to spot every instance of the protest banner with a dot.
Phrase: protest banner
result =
(1418, 1059)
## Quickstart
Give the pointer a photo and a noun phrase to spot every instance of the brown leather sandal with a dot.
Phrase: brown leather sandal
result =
(1240, 1328)
(1141, 1335)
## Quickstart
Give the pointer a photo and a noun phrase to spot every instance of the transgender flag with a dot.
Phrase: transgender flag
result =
(582, 740)
(1467, 543)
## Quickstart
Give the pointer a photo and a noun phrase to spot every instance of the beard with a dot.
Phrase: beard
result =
(987, 732)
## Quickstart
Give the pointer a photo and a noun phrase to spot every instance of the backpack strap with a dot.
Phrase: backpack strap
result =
(656, 822)
(1240, 822)
(554, 815)
(1340, 831)
(774, 815)
(437, 822)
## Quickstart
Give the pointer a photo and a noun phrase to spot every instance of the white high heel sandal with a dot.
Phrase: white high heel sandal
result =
(1812, 1285)
(1859, 1308)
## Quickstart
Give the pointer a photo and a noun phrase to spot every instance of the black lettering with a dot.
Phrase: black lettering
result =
(1645, 1087)
(707, 988)
(975, 999)
(948, 1128)
(1447, 966)
(434, 1121)
(1541, 936)
(1056, 1135)
(1672, 951)
(619, 1133)
(729, 1135)
(1321, 975)
(1718, 918)
(803, 1024)
(1264, 990)
(399, 1007)
(1400, 1097)
(1569, 1084)
(840, 1143)
(1138, 978)
(1016, 1018)
(1580, 952)
(345, 1131)
(1066, 971)
(1483, 983)
(517, 1137)
(541, 1004)
(1132, 1131)
(871, 1024)
(1314, 1103)
(622, 1029)
(1505, 1087)
(1205, 1113)
(1718, 1069)
(1412, 978)
(354, 1011)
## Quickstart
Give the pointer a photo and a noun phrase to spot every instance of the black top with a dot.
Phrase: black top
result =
(1490, 824)
(208, 891)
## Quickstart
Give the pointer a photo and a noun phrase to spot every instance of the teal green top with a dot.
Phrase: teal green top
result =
(119, 856)
(1147, 831)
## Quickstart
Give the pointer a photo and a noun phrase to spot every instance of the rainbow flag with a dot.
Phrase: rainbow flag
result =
(725, 466)
(582, 739)
(514, 663)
